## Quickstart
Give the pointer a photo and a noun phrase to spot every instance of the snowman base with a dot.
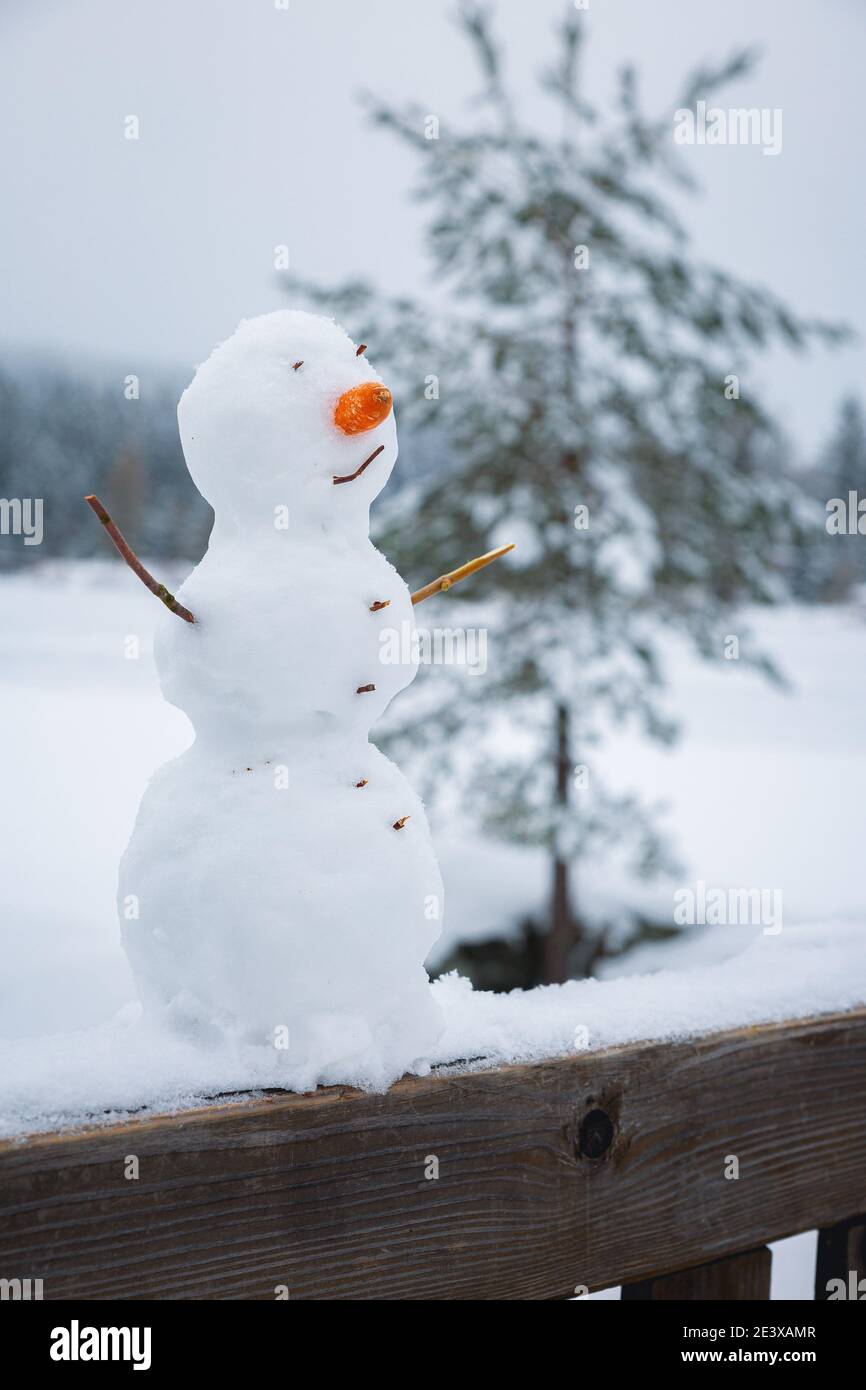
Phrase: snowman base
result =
(325, 1049)
(251, 929)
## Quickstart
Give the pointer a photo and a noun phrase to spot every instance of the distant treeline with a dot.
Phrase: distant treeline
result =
(64, 435)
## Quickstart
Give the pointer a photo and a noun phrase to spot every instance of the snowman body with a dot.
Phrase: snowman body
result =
(286, 884)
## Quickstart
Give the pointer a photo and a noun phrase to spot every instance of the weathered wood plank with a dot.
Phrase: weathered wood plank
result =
(739, 1278)
(841, 1256)
(590, 1170)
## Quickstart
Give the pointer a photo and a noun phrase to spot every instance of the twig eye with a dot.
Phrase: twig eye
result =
(296, 365)
(362, 348)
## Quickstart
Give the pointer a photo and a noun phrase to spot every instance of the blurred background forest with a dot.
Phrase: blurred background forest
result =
(529, 384)
(65, 433)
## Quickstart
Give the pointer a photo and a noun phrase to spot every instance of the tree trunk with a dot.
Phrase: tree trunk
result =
(561, 935)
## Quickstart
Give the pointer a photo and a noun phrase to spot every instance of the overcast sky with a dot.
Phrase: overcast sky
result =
(148, 252)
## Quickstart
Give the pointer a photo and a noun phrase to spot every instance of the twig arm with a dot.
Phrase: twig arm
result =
(444, 582)
(129, 555)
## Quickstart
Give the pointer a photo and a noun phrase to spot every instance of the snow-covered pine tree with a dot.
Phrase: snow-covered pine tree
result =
(576, 362)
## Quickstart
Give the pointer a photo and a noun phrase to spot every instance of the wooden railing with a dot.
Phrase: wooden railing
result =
(662, 1167)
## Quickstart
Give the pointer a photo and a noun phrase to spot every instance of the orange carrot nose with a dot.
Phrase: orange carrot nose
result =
(362, 408)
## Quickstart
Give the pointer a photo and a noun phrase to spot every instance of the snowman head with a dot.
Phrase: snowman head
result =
(288, 414)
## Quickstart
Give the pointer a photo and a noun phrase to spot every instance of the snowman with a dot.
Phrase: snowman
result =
(286, 887)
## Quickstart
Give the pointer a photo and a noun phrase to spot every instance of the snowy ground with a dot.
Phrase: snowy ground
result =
(764, 790)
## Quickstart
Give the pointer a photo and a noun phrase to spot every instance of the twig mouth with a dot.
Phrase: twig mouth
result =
(350, 477)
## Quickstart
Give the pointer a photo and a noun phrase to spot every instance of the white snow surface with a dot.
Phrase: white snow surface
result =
(765, 788)
(132, 1065)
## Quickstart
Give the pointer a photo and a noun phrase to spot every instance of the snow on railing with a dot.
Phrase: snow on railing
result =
(626, 1165)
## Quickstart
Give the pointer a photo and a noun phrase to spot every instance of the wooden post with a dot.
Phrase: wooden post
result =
(736, 1278)
(841, 1256)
